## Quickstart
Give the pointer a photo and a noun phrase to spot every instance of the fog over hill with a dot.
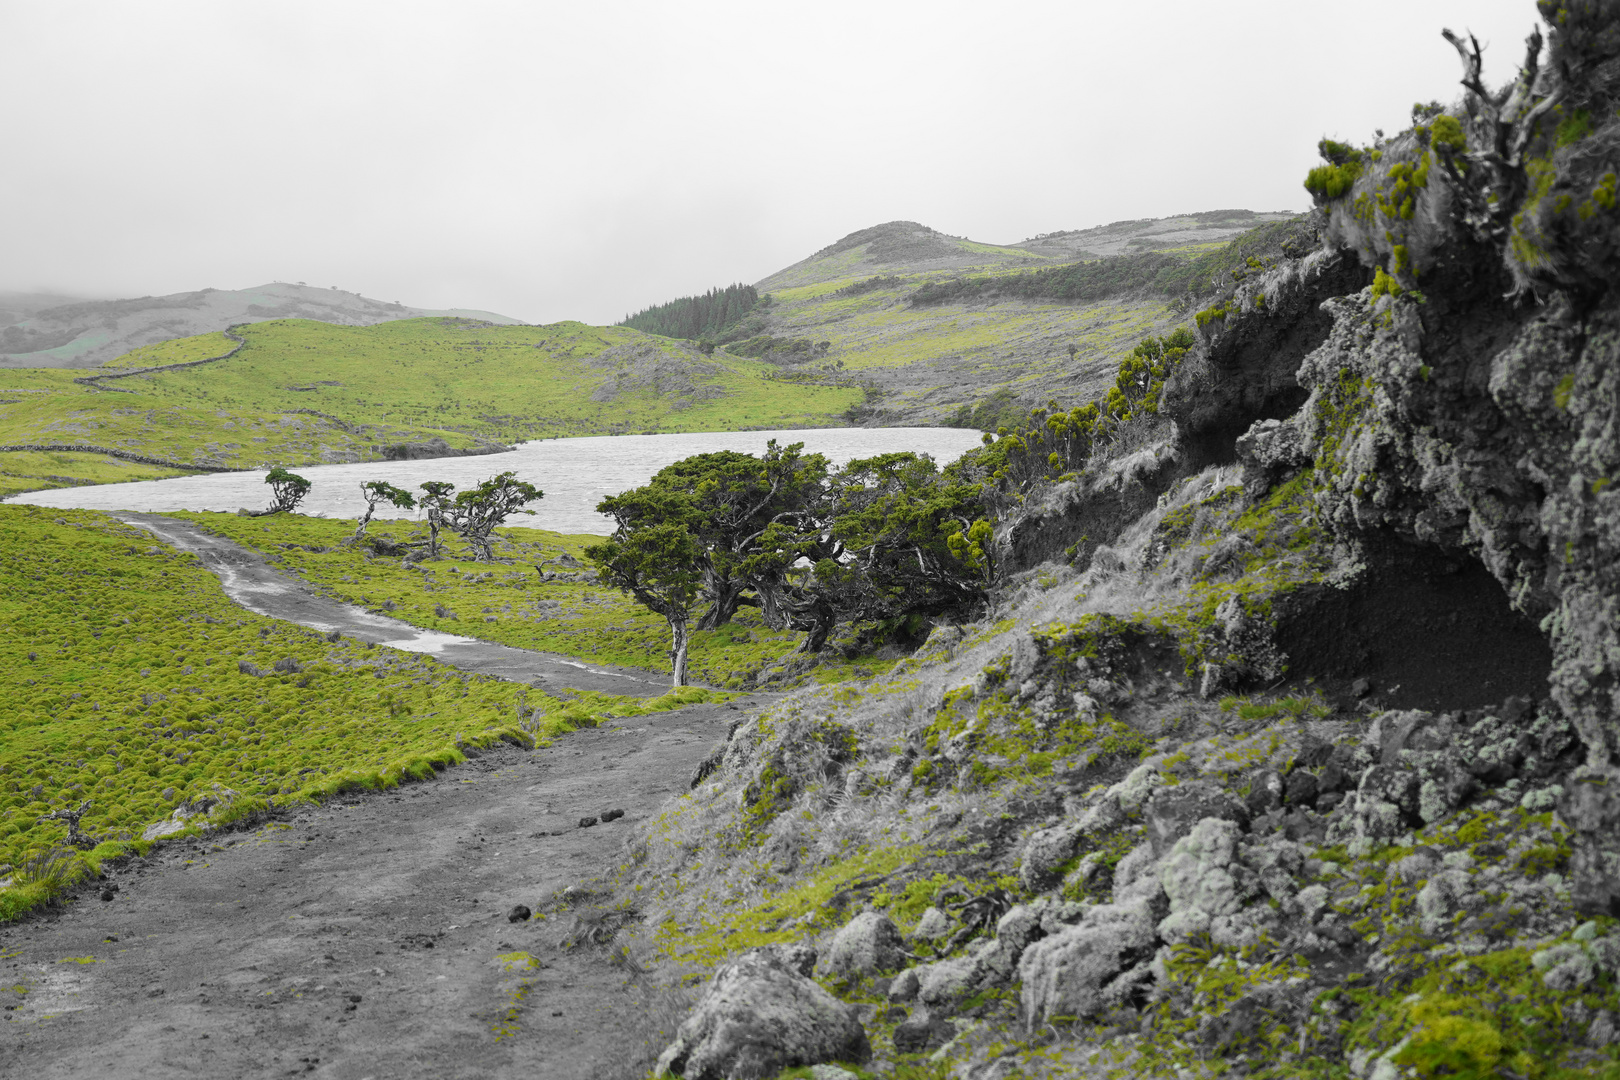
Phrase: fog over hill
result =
(84, 333)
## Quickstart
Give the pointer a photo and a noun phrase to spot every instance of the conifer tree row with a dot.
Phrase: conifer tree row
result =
(695, 317)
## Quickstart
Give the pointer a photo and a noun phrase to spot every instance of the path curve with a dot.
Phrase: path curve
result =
(367, 937)
(251, 581)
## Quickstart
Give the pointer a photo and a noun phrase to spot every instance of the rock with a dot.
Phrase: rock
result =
(758, 1017)
(933, 925)
(1045, 854)
(1590, 804)
(942, 985)
(867, 945)
(1078, 970)
(1197, 877)
(829, 1072)
(1386, 802)
(904, 987)
(1048, 850)
(921, 1032)
(217, 798)
(1173, 812)
(1301, 789)
(586, 822)
(611, 815)
(1265, 792)
(107, 894)
(519, 914)
(1360, 688)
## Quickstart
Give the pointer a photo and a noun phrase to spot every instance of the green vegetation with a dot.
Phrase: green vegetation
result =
(571, 614)
(136, 684)
(708, 316)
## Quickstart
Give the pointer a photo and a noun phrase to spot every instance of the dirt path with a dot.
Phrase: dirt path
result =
(256, 585)
(362, 938)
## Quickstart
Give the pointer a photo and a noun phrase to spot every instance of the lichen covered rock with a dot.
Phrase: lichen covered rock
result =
(758, 1017)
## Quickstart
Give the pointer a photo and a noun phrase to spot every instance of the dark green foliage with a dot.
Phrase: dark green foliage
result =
(1050, 442)
(780, 350)
(1343, 168)
(380, 491)
(708, 316)
(287, 490)
(872, 284)
(476, 513)
(1000, 410)
(653, 556)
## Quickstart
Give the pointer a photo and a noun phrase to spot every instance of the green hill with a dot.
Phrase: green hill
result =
(851, 312)
(35, 332)
(302, 392)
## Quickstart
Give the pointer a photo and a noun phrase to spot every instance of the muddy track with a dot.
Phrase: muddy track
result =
(361, 938)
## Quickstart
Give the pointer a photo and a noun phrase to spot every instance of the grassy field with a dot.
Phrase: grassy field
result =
(131, 680)
(302, 392)
(508, 602)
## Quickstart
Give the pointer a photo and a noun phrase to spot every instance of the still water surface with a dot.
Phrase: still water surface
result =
(575, 474)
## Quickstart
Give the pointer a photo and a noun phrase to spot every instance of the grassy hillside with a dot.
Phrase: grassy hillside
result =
(84, 333)
(303, 392)
(131, 680)
(849, 312)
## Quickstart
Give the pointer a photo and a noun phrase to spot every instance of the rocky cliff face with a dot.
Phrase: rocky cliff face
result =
(1293, 738)
(1469, 399)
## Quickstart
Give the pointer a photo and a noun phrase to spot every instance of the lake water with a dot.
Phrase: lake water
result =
(575, 474)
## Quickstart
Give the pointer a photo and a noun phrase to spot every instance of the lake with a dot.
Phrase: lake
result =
(575, 474)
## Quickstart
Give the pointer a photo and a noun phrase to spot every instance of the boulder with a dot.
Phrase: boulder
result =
(217, 798)
(866, 945)
(933, 925)
(1197, 876)
(1086, 968)
(758, 1017)
(1172, 812)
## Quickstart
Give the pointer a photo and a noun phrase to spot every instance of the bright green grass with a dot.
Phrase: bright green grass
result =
(120, 677)
(502, 602)
(178, 351)
(21, 472)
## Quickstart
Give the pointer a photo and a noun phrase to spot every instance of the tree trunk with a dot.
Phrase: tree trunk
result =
(365, 519)
(770, 608)
(677, 654)
(727, 598)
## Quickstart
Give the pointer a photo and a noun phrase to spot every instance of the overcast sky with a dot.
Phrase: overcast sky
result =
(582, 160)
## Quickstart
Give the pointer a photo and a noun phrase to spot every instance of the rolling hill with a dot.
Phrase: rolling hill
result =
(304, 392)
(850, 312)
(86, 333)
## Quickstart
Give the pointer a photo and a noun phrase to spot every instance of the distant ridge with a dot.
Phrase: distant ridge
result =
(91, 332)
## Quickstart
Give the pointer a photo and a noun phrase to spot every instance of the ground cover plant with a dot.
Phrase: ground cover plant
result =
(133, 682)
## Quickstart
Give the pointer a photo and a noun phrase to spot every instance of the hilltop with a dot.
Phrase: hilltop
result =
(84, 333)
(934, 327)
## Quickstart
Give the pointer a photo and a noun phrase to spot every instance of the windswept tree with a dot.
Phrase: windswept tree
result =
(287, 490)
(475, 514)
(435, 502)
(377, 492)
(738, 507)
(910, 542)
(657, 562)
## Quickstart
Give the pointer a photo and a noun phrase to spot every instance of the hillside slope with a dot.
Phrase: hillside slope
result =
(300, 392)
(849, 313)
(90, 332)
(1288, 744)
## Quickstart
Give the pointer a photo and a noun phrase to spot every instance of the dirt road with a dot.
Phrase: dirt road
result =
(364, 938)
